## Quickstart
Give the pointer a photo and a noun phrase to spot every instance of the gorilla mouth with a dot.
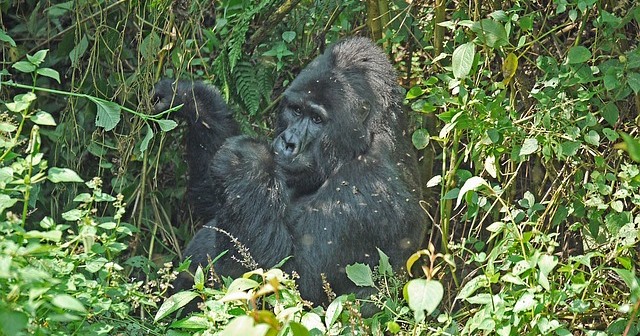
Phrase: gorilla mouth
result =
(299, 163)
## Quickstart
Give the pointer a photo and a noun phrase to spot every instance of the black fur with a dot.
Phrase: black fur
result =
(339, 180)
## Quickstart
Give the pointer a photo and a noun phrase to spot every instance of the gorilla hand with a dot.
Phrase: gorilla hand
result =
(199, 100)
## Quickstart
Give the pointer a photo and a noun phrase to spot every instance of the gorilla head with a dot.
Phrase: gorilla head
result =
(332, 111)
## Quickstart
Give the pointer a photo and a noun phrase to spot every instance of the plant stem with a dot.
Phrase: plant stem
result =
(82, 95)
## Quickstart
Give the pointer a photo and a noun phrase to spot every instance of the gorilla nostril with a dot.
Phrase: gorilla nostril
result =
(289, 148)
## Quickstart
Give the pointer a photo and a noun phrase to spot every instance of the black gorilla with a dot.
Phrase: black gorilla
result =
(339, 180)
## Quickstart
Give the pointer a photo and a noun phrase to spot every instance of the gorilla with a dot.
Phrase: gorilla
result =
(338, 182)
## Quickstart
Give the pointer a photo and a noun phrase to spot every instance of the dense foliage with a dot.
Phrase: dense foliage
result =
(526, 116)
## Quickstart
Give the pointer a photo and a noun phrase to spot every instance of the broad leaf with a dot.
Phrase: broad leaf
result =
(48, 72)
(420, 138)
(471, 184)
(108, 115)
(529, 146)
(423, 295)
(360, 274)
(43, 118)
(76, 53)
(288, 36)
(6, 38)
(166, 125)
(144, 143)
(490, 32)
(57, 175)
(173, 303)
(462, 60)
(578, 54)
(66, 301)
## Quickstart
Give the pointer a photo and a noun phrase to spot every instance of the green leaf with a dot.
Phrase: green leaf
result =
(76, 53)
(420, 138)
(610, 113)
(360, 274)
(632, 146)
(547, 326)
(491, 33)
(173, 303)
(384, 267)
(547, 263)
(241, 285)
(198, 278)
(393, 327)
(6, 202)
(288, 36)
(60, 9)
(611, 81)
(48, 72)
(191, 322)
(414, 92)
(509, 67)
(108, 225)
(72, 215)
(525, 302)
(43, 118)
(57, 175)
(633, 79)
(108, 115)
(333, 311)
(53, 235)
(24, 66)
(610, 134)
(297, 329)
(521, 267)
(578, 54)
(423, 295)
(38, 57)
(6, 38)
(245, 325)
(144, 144)
(7, 127)
(471, 184)
(592, 138)
(570, 148)
(66, 301)
(150, 46)
(529, 146)
(462, 60)
(166, 125)
(12, 322)
(95, 265)
(490, 166)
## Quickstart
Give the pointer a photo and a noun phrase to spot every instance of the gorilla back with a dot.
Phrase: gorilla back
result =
(338, 181)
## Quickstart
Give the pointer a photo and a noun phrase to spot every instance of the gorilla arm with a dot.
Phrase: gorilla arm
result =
(210, 124)
(254, 200)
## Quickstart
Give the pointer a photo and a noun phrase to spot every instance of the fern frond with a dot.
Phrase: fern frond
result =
(266, 80)
(248, 86)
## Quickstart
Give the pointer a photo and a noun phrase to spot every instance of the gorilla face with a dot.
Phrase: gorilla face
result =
(296, 147)
(304, 122)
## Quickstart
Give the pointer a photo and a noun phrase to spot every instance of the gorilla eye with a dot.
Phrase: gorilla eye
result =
(316, 119)
(296, 111)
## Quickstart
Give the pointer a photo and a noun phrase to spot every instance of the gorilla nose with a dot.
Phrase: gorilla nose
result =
(286, 145)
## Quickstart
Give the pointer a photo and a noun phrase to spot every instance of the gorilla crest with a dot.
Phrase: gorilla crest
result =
(338, 182)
